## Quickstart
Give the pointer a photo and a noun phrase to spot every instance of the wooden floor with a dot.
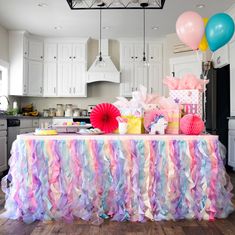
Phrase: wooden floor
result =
(191, 227)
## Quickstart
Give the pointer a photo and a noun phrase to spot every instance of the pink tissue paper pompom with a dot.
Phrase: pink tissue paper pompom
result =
(191, 124)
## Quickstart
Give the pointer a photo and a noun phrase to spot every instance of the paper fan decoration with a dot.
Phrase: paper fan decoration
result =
(103, 116)
(150, 115)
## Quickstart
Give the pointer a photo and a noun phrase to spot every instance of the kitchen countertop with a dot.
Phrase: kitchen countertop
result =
(5, 116)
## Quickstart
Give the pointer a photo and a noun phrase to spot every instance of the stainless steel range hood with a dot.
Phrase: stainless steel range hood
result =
(109, 72)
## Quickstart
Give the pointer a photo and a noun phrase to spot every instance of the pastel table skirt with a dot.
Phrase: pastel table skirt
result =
(129, 177)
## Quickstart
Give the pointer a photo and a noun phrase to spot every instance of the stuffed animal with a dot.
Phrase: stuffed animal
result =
(158, 125)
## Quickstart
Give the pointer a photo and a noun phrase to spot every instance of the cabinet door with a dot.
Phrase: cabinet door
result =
(155, 52)
(138, 51)
(65, 52)
(25, 77)
(26, 47)
(127, 79)
(64, 79)
(35, 77)
(35, 50)
(50, 52)
(50, 79)
(141, 75)
(79, 52)
(186, 64)
(79, 79)
(3, 153)
(232, 77)
(127, 52)
(231, 151)
(155, 78)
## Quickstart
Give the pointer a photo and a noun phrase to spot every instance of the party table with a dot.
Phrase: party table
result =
(122, 177)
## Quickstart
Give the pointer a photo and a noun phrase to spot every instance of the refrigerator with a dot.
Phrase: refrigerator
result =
(218, 103)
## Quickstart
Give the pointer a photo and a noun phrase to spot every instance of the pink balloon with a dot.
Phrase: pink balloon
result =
(190, 29)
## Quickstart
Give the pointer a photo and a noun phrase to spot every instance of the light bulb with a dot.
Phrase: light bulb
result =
(100, 62)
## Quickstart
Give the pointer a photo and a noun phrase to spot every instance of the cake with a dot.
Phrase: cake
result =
(43, 131)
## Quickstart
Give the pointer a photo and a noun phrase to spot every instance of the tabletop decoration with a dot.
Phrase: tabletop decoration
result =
(103, 116)
(191, 124)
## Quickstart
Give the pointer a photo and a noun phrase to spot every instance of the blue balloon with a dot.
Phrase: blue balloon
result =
(219, 30)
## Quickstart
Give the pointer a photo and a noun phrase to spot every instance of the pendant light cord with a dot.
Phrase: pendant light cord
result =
(144, 36)
(100, 33)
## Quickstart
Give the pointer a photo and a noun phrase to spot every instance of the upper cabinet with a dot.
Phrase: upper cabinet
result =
(133, 71)
(50, 67)
(26, 65)
(65, 67)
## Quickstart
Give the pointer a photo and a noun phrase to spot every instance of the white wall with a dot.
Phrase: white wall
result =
(4, 52)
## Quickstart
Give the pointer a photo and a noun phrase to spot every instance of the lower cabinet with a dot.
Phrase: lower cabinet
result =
(231, 143)
(231, 151)
(3, 153)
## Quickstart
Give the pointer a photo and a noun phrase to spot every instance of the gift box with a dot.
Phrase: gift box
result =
(173, 127)
(135, 125)
(190, 100)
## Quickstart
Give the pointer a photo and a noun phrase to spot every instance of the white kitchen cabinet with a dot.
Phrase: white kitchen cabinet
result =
(155, 52)
(78, 82)
(35, 76)
(25, 71)
(64, 79)
(155, 82)
(72, 51)
(231, 143)
(50, 79)
(71, 79)
(35, 49)
(50, 51)
(134, 73)
(232, 77)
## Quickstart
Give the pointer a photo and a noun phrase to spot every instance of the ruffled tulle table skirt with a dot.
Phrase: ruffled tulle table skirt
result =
(129, 177)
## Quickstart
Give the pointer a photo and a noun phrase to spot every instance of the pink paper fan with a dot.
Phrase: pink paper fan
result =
(103, 116)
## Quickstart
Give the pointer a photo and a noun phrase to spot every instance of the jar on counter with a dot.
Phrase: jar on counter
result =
(76, 112)
(45, 112)
(59, 110)
(52, 112)
(68, 110)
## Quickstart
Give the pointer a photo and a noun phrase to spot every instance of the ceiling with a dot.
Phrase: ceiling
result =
(26, 15)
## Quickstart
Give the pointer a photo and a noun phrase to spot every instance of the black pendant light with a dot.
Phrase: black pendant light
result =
(100, 62)
(145, 61)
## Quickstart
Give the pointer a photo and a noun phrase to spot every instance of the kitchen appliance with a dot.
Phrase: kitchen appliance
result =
(13, 129)
(218, 103)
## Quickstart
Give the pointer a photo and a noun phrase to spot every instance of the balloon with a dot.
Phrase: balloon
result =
(190, 29)
(219, 30)
(204, 44)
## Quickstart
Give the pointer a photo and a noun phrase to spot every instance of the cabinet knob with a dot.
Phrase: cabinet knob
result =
(54, 90)
(25, 53)
(74, 57)
(173, 74)
(41, 57)
(136, 57)
(54, 57)
(70, 57)
(151, 57)
(132, 57)
(74, 90)
(151, 90)
(70, 90)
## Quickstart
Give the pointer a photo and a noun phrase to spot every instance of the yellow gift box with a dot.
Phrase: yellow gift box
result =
(135, 125)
